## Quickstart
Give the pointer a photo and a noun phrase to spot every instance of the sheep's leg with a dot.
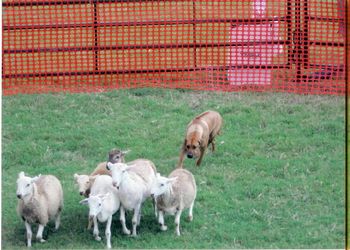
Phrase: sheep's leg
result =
(29, 234)
(139, 218)
(58, 221)
(137, 212)
(155, 207)
(39, 235)
(96, 232)
(90, 222)
(108, 232)
(177, 221)
(190, 213)
(163, 227)
(122, 220)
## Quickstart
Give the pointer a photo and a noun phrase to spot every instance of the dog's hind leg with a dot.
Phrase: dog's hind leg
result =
(212, 142)
(213, 146)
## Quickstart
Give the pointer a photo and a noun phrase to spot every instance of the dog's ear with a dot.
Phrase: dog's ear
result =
(184, 144)
(203, 142)
(200, 143)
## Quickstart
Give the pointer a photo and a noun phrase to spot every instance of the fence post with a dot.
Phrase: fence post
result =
(297, 43)
(95, 35)
(305, 36)
(347, 51)
(194, 33)
(289, 32)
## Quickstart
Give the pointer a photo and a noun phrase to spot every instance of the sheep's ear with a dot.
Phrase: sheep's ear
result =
(172, 180)
(109, 165)
(125, 152)
(101, 196)
(125, 168)
(158, 175)
(93, 178)
(76, 176)
(84, 202)
(35, 178)
(21, 175)
(104, 196)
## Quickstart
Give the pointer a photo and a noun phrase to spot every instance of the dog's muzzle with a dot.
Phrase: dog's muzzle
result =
(190, 156)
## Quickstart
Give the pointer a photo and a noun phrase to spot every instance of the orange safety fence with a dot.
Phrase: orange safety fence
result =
(293, 46)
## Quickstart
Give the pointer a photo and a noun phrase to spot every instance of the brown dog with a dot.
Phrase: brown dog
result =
(201, 132)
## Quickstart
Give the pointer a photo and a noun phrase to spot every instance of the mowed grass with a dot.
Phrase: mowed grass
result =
(275, 181)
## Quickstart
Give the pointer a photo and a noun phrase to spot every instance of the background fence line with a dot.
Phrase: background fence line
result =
(94, 45)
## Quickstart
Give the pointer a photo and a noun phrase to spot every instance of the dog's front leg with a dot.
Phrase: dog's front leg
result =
(201, 156)
(181, 159)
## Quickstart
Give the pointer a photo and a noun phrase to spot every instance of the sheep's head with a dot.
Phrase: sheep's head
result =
(84, 183)
(25, 185)
(95, 203)
(118, 171)
(161, 185)
(116, 155)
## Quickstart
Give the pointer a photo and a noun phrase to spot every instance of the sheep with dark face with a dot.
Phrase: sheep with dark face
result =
(116, 155)
(85, 182)
(40, 200)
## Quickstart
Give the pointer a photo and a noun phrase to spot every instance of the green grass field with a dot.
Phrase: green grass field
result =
(275, 181)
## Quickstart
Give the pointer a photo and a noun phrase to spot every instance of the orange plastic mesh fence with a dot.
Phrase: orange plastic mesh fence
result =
(94, 45)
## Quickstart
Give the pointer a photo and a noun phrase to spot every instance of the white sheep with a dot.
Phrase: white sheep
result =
(103, 203)
(40, 200)
(173, 195)
(136, 166)
(84, 182)
(134, 183)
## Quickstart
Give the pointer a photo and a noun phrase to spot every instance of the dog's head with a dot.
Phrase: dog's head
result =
(192, 146)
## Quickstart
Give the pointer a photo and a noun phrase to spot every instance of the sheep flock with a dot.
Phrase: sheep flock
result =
(113, 185)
